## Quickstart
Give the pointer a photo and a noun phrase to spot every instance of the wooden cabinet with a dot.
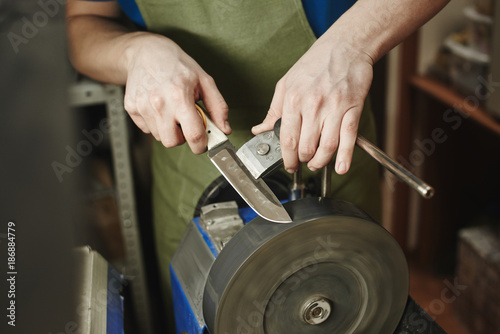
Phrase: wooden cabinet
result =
(453, 143)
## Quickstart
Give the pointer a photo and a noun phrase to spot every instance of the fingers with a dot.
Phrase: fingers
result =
(170, 134)
(312, 124)
(193, 128)
(348, 135)
(309, 139)
(268, 123)
(171, 117)
(337, 135)
(291, 123)
(140, 122)
(137, 108)
(215, 103)
(328, 143)
(319, 140)
(178, 109)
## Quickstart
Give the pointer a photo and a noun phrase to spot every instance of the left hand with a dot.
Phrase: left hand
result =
(320, 101)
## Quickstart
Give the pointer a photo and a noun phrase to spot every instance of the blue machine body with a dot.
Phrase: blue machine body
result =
(186, 319)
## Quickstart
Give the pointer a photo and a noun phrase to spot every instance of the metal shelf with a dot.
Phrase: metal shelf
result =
(87, 93)
(448, 96)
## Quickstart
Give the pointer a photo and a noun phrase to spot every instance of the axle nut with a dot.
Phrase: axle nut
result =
(317, 310)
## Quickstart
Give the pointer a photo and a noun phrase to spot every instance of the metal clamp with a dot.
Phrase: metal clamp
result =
(221, 221)
(261, 154)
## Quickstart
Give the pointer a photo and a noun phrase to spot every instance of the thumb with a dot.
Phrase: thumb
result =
(268, 123)
(274, 113)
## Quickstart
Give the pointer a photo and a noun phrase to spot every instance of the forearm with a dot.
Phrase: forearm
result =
(162, 81)
(373, 27)
(98, 47)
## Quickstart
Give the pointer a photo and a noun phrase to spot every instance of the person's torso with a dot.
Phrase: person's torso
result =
(246, 46)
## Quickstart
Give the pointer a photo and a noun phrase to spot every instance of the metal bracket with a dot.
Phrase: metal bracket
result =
(221, 221)
(261, 154)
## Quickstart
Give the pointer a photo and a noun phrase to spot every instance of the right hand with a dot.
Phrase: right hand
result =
(163, 84)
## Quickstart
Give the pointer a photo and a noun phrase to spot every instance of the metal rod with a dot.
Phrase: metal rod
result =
(297, 189)
(326, 180)
(420, 186)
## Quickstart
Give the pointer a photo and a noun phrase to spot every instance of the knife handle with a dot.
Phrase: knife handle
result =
(214, 134)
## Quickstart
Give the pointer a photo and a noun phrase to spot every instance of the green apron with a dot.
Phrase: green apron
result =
(246, 46)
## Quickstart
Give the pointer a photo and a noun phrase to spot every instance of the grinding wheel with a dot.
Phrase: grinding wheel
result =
(332, 270)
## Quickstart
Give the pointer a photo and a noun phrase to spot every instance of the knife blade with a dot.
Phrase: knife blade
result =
(255, 192)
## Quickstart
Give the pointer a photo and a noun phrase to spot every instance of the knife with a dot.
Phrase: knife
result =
(255, 192)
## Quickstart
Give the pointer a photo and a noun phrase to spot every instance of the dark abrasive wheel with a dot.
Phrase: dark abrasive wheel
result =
(332, 270)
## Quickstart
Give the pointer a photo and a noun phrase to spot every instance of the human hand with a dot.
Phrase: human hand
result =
(163, 84)
(320, 101)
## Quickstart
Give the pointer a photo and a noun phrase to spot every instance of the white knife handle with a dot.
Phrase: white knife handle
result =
(214, 134)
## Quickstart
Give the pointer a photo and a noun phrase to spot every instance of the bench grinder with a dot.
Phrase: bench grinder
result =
(332, 269)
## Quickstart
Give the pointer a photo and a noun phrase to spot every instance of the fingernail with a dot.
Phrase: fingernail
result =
(290, 170)
(312, 169)
(341, 168)
(228, 127)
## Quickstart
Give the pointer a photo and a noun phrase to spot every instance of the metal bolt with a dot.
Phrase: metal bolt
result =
(317, 310)
(263, 149)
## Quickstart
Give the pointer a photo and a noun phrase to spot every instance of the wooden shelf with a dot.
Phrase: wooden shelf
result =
(448, 96)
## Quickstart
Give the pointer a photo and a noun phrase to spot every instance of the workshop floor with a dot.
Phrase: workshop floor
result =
(426, 289)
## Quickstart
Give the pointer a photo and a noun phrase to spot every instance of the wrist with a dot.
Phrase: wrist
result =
(352, 49)
(132, 43)
(345, 40)
(143, 43)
